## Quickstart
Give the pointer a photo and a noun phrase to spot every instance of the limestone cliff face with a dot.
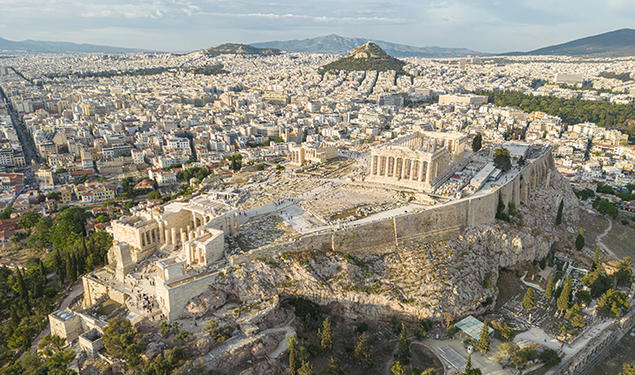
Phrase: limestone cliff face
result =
(418, 280)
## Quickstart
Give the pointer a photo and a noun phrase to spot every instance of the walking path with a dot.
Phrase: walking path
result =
(604, 234)
(535, 286)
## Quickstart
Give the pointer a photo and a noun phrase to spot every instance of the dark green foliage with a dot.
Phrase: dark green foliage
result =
(122, 341)
(584, 296)
(207, 70)
(627, 369)
(549, 357)
(397, 368)
(26, 298)
(565, 295)
(334, 368)
(483, 343)
(623, 195)
(166, 362)
(362, 349)
(596, 258)
(571, 111)
(403, 353)
(579, 240)
(352, 64)
(194, 172)
(154, 194)
(624, 274)
(236, 162)
(6, 213)
(549, 288)
(559, 215)
(292, 343)
(624, 77)
(613, 303)
(477, 142)
(502, 159)
(306, 310)
(528, 299)
(585, 194)
(305, 369)
(28, 219)
(598, 282)
(326, 335)
(504, 329)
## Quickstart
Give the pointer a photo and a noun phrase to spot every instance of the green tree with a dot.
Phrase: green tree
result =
(154, 195)
(598, 282)
(483, 343)
(468, 363)
(305, 369)
(559, 214)
(579, 240)
(28, 219)
(596, 258)
(362, 350)
(502, 159)
(528, 299)
(613, 303)
(334, 368)
(549, 357)
(549, 288)
(121, 341)
(627, 369)
(504, 329)
(404, 346)
(6, 213)
(565, 295)
(574, 317)
(477, 142)
(326, 335)
(624, 274)
(397, 368)
(293, 364)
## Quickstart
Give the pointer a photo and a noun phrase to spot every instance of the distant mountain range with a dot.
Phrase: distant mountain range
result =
(336, 44)
(616, 43)
(37, 46)
(240, 49)
(366, 57)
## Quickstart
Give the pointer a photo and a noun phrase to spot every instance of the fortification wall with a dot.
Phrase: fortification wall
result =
(440, 222)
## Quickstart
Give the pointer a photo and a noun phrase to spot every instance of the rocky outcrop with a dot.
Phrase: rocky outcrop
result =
(418, 280)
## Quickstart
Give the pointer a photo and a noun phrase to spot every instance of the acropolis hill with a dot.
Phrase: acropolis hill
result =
(187, 260)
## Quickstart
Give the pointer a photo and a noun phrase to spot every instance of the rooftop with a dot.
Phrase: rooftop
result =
(472, 327)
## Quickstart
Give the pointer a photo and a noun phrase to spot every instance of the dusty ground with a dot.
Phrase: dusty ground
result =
(593, 226)
(509, 285)
(621, 239)
(353, 202)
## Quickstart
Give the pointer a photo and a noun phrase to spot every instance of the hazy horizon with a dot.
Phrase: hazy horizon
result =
(184, 25)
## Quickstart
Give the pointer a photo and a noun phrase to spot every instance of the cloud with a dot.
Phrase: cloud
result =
(276, 16)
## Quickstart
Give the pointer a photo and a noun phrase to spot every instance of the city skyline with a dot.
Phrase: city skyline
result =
(185, 25)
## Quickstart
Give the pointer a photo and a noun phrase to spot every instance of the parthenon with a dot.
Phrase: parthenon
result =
(416, 161)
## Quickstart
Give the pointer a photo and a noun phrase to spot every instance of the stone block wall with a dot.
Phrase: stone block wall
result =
(440, 222)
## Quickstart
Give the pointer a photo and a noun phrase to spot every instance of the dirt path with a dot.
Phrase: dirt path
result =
(604, 234)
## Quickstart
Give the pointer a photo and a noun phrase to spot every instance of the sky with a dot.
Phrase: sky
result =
(185, 25)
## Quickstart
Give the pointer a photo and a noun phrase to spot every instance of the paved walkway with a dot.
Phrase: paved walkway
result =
(532, 285)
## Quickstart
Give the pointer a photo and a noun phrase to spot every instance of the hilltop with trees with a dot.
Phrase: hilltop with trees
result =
(364, 58)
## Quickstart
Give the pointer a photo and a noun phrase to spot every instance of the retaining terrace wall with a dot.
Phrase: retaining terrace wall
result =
(442, 222)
